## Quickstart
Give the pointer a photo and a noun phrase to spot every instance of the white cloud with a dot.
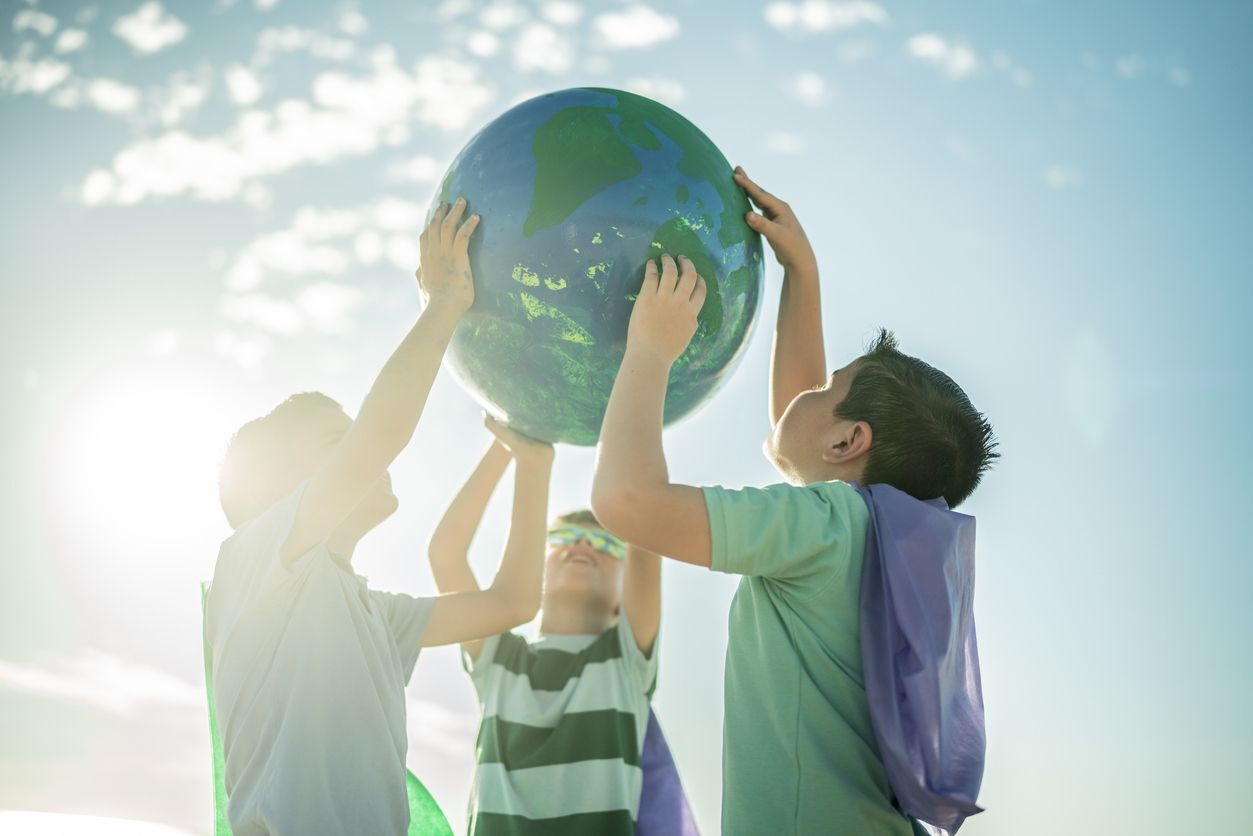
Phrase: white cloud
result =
(420, 169)
(808, 88)
(111, 96)
(352, 116)
(101, 680)
(280, 40)
(1003, 63)
(665, 90)
(784, 142)
(636, 27)
(22, 75)
(242, 85)
(353, 23)
(64, 824)
(164, 343)
(181, 96)
(37, 21)
(502, 15)
(561, 12)
(1180, 77)
(328, 307)
(482, 44)
(541, 47)
(150, 28)
(824, 15)
(245, 352)
(265, 5)
(954, 59)
(71, 40)
(1129, 66)
(1062, 177)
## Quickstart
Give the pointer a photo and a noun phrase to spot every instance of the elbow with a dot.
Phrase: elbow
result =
(617, 507)
(518, 609)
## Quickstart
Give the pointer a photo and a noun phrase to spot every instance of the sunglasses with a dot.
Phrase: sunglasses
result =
(601, 541)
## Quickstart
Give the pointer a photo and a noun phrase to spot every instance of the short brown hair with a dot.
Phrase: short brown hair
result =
(257, 455)
(583, 517)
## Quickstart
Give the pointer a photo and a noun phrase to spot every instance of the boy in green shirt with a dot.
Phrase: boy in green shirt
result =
(800, 753)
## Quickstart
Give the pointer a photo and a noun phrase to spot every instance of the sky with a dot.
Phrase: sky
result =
(209, 206)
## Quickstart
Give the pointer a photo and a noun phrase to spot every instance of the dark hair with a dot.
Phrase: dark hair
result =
(928, 440)
(257, 452)
(583, 517)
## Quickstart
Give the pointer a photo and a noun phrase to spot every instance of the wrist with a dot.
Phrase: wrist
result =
(536, 459)
(646, 359)
(444, 309)
(801, 271)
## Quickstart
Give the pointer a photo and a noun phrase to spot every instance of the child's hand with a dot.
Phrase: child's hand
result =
(444, 277)
(664, 318)
(523, 448)
(780, 226)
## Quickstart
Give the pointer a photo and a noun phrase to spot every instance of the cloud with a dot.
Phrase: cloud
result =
(71, 40)
(242, 85)
(1129, 66)
(181, 96)
(1003, 63)
(808, 88)
(1179, 77)
(280, 40)
(431, 725)
(482, 44)
(783, 142)
(351, 116)
(150, 28)
(353, 23)
(111, 96)
(420, 169)
(665, 90)
(636, 27)
(61, 824)
(23, 75)
(245, 352)
(503, 15)
(824, 15)
(541, 47)
(37, 21)
(101, 680)
(1062, 177)
(954, 59)
(561, 12)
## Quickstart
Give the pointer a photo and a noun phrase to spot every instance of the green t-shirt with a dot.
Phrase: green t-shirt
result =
(799, 754)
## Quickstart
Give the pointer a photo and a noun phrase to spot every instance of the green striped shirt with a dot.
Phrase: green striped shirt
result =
(563, 725)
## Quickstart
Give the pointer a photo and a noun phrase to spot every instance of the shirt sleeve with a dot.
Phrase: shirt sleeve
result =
(407, 617)
(643, 668)
(784, 532)
(498, 655)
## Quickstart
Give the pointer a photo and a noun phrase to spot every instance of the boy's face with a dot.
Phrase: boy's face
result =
(805, 443)
(579, 570)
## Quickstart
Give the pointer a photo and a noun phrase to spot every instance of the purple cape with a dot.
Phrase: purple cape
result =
(664, 810)
(919, 657)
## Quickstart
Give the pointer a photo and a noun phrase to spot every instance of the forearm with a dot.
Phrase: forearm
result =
(641, 596)
(797, 360)
(395, 402)
(630, 456)
(449, 546)
(520, 576)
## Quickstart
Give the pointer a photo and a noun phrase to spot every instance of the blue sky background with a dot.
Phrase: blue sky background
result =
(209, 206)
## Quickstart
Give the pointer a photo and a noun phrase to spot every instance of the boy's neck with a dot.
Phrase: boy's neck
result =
(574, 618)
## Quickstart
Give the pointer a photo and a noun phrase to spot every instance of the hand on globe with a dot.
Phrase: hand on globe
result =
(664, 317)
(778, 223)
(444, 276)
(523, 448)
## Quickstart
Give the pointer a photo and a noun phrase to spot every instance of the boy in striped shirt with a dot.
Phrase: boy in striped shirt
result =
(565, 715)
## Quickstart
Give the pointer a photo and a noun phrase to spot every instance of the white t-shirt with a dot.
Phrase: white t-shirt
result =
(309, 671)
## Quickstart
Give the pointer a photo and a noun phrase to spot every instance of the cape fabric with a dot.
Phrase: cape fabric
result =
(664, 809)
(919, 656)
(425, 817)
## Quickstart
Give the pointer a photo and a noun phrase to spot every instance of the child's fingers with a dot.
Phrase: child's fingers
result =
(669, 275)
(461, 242)
(687, 278)
(699, 293)
(762, 224)
(650, 279)
(757, 194)
(448, 228)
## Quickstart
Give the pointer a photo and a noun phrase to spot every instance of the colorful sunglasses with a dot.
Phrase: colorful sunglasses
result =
(602, 541)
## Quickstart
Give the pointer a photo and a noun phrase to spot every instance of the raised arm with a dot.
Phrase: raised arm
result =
(641, 596)
(395, 402)
(797, 360)
(449, 547)
(513, 598)
(632, 494)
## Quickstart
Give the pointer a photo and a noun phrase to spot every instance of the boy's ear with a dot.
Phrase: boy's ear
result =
(849, 442)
